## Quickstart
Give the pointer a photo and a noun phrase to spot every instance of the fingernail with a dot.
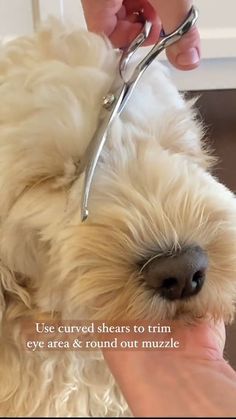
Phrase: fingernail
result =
(188, 57)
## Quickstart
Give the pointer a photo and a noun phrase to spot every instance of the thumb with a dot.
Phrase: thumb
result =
(184, 54)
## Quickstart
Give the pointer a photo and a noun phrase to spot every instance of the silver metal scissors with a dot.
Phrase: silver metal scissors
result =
(115, 102)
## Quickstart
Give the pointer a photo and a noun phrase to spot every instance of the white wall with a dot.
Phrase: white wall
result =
(216, 13)
(217, 28)
(69, 10)
(15, 17)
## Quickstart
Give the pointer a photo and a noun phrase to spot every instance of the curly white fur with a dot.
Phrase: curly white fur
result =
(152, 193)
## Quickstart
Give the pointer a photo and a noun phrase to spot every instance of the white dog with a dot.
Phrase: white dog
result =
(160, 242)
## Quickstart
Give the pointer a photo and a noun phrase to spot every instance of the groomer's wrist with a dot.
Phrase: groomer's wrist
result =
(152, 381)
(157, 384)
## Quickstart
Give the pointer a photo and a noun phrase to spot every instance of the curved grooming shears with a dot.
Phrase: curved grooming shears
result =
(114, 102)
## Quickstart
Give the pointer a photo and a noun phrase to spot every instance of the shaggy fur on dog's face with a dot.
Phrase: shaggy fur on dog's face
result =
(152, 195)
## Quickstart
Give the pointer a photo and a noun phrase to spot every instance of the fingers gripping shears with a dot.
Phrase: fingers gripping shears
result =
(115, 102)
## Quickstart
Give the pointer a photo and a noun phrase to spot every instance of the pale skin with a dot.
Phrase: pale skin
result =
(119, 20)
(195, 381)
(191, 382)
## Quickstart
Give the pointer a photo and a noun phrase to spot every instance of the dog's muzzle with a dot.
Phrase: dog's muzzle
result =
(178, 276)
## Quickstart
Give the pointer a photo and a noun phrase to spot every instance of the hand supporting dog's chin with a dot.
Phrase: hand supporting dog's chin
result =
(163, 375)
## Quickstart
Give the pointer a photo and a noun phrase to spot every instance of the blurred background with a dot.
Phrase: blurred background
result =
(214, 80)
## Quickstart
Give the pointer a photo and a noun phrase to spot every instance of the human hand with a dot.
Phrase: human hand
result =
(121, 21)
(194, 381)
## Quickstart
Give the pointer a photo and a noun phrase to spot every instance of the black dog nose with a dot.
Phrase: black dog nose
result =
(178, 276)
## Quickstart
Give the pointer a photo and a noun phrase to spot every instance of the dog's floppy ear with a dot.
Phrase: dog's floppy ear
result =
(5, 279)
(2, 298)
(12, 292)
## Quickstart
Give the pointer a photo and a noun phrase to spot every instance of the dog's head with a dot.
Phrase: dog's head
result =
(160, 241)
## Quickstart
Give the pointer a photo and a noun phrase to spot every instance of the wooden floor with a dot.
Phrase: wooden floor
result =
(218, 111)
